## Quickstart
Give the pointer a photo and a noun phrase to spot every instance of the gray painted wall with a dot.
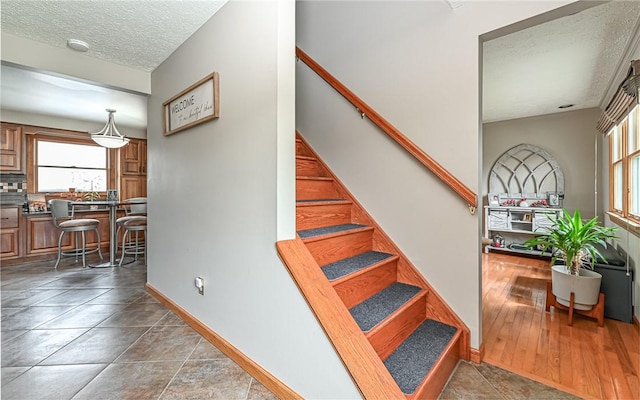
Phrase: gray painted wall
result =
(213, 198)
(417, 64)
(569, 137)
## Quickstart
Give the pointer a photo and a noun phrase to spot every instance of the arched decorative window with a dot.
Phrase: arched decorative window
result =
(526, 170)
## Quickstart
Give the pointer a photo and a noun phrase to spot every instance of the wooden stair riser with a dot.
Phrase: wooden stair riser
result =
(301, 149)
(357, 287)
(389, 334)
(307, 166)
(315, 216)
(313, 189)
(338, 247)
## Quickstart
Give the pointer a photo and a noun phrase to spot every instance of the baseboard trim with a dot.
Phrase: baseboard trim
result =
(476, 355)
(252, 368)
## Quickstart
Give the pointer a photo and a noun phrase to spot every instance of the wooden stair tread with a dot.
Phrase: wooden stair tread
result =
(376, 308)
(328, 230)
(414, 358)
(347, 266)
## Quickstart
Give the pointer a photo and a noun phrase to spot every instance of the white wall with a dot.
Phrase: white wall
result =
(213, 200)
(569, 137)
(417, 64)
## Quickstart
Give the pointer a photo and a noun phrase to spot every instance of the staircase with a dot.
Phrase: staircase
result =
(416, 336)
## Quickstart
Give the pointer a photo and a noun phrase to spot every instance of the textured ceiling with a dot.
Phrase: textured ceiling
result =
(571, 60)
(139, 34)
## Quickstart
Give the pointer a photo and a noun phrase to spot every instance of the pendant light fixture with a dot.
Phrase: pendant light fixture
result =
(109, 136)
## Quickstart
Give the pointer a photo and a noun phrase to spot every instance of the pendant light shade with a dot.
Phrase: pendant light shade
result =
(109, 136)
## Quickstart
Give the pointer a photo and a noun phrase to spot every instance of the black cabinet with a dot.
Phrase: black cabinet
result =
(617, 284)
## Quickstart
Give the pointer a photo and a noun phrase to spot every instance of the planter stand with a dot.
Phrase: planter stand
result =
(596, 312)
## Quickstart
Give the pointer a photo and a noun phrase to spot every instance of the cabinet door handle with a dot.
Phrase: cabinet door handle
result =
(5, 217)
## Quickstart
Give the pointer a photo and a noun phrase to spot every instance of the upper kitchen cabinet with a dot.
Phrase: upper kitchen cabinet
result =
(133, 169)
(134, 158)
(11, 148)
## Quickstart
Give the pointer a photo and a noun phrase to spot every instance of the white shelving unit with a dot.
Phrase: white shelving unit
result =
(517, 223)
(527, 175)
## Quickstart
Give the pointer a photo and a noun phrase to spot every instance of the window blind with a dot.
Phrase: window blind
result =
(625, 98)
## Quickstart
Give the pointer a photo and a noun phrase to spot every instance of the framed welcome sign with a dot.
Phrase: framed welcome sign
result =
(196, 104)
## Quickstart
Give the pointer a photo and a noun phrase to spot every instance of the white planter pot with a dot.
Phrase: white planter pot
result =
(586, 287)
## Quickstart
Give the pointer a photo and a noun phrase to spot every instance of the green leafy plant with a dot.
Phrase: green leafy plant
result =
(574, 241)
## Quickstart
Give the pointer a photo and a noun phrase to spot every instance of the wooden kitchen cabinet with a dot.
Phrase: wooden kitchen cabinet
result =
(133, 158)
(133, 167)
(10, 232)
(133, 186)
(42, 235)
(11, 148)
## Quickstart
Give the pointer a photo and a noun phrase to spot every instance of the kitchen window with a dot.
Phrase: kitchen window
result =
(624, 167)
(58, 163)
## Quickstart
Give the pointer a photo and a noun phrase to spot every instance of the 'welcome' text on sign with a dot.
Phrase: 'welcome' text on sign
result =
(196, 104)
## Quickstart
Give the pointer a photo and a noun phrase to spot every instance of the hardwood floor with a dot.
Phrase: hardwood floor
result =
(519, 336)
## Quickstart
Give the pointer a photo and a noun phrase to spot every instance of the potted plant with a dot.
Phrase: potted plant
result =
(573, 241)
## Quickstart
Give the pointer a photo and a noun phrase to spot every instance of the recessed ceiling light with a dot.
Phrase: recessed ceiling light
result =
(77, 45)
(566, 106)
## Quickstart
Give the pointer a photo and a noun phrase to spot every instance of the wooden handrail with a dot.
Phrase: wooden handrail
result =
(454, 183)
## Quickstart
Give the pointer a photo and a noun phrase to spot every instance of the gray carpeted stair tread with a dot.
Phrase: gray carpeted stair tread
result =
(377, 307)
(325, 230)
(350, 265)
(413, 359)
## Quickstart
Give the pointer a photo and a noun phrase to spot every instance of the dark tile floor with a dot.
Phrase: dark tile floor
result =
(96, 334)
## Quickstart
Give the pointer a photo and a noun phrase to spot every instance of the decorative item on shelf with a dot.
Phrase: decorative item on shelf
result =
(112, 195)
(109, 136)
(71, 194)
(92, 196)
(510, 202)
(36, 202)
(523, 203)
(554, 199)
(540, 203)
(498, 241)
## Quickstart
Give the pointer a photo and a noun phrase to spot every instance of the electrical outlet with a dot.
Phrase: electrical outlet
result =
(200, 285)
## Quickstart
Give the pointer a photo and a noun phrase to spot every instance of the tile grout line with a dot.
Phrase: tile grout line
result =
(119, 355)
(107, 365)
(490, 384)
(180, 368)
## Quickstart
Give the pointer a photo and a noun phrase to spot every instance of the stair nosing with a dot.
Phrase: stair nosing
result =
(314, 178)
(308, 203)
(337, 234)
(308, 158)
